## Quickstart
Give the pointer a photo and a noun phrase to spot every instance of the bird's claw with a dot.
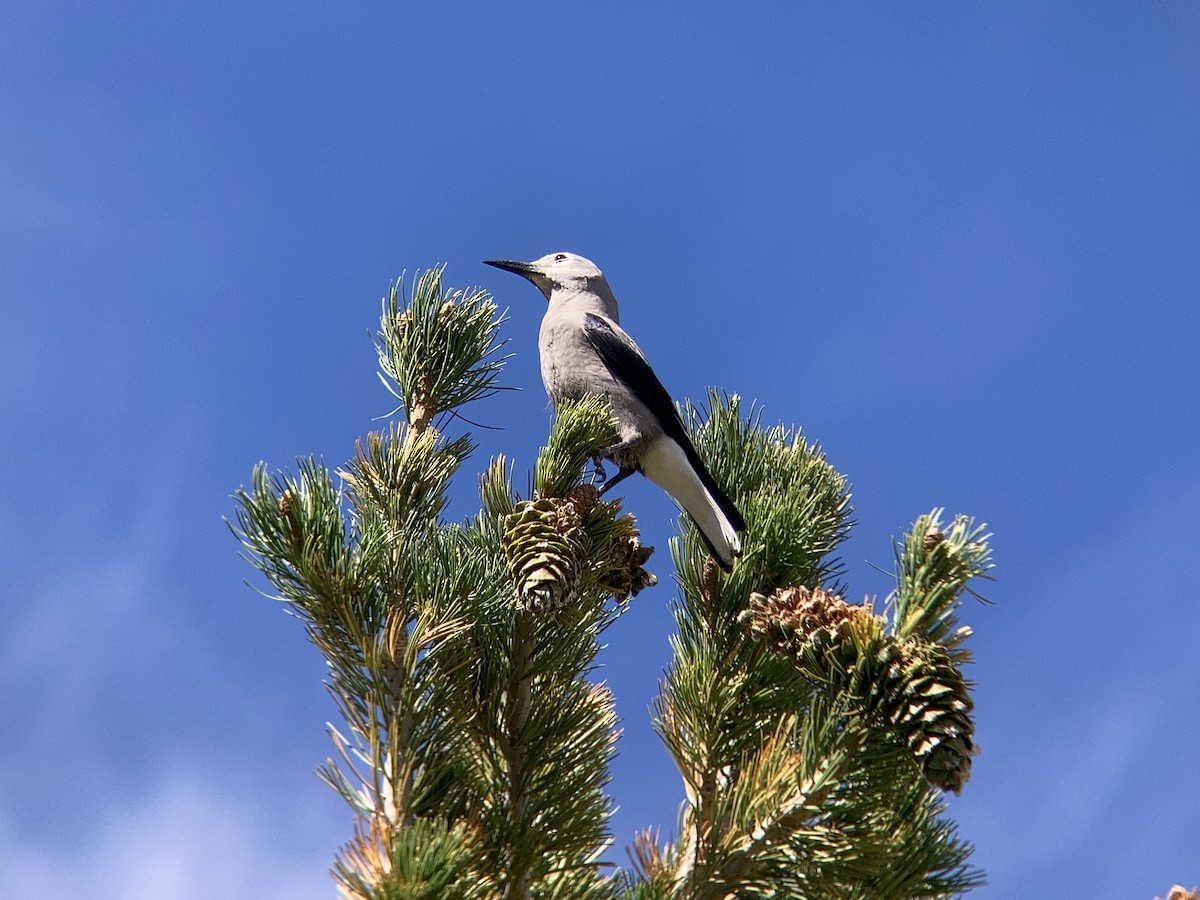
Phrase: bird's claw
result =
(599, 474)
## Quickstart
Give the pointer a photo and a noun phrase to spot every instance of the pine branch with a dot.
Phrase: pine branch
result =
(912, 685)
(543, 735)
(798, 764)
(516, 751)
(580, 429)
(933, 570)
(437, 348)
(424, 861)
(380, 583)
(724, 698)
(772, 803)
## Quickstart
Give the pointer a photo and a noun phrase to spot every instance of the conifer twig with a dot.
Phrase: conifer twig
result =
(520, 683)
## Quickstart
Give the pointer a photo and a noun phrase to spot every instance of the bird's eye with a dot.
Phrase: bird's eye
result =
(559, 257)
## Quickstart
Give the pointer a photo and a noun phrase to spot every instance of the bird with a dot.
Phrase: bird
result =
(584, 351)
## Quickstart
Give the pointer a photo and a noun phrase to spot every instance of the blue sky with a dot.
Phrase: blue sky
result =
(956, 243)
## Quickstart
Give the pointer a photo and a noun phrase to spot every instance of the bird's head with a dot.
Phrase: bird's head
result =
(555, 271)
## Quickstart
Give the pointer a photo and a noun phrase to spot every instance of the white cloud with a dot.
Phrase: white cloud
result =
(181, 840)
(100, 799)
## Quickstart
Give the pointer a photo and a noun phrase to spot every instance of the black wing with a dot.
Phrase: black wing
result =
(627, 365)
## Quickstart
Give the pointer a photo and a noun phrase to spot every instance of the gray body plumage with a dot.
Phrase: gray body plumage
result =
(584, 351)
(571, 369)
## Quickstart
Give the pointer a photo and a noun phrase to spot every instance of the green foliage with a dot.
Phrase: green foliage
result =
(580, 428)
(437, 348)
(933, 569)
(798, 781)
(811, 735)
(428, 860)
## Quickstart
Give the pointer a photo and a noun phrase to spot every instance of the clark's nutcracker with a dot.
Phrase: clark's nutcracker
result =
(584, 351)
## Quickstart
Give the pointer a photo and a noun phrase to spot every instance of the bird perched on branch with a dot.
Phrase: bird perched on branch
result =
(584, 351)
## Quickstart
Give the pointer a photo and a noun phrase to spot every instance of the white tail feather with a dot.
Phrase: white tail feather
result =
(664, 463)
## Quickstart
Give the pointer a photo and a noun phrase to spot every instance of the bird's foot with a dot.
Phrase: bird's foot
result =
(599, 474)
(614, 451)
(615, 480)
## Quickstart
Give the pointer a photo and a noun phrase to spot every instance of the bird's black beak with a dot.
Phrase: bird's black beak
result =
(525, 270)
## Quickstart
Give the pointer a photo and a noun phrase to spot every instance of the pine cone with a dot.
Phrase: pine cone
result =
(922, 694)
(628, 576)
(802, 623)
(543, 545)
(933, 536)
(912, 685)
(288, 502)
(585, 498)
(709, 578)
(400, 324)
